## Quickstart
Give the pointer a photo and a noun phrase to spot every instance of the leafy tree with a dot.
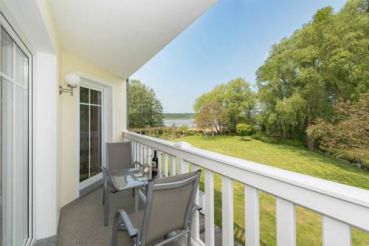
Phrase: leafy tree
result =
(306, 74)
(211, 116)
(145, 110)
(235, 100)
(347, 134)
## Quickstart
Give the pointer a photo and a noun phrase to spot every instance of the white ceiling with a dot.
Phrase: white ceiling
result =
(122, 35)
(28, 21)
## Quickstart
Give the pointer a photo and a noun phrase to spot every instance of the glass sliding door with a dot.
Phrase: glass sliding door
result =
(14, 140)
(90, 133)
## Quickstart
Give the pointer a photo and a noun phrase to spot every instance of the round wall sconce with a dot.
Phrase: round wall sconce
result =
(72, 80)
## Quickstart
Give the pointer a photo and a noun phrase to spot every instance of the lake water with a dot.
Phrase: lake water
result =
(179, 122)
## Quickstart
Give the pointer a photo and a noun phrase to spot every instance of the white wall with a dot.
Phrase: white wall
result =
(45, 148)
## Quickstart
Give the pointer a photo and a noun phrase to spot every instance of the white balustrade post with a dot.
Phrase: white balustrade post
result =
(182, 166)
(227, 211)
(252, 221)
(149, 155)
(134, 150)
(209, 208)
(336, 233)
(160, 160)
(196, 216)
(172, 166)
(165, 164)
(142, 154)
(286, 223)
(139, 152)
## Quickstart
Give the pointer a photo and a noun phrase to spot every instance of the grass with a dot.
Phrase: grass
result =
(290, 157)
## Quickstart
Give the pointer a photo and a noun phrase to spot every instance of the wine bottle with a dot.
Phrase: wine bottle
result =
(154, 167)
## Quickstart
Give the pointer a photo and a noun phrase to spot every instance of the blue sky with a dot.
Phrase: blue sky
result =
(230, 40)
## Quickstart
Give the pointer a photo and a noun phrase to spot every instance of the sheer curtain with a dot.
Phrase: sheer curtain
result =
(14, 143)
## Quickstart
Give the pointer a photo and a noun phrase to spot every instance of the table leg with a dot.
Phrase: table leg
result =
(106, 203)
(137, 198)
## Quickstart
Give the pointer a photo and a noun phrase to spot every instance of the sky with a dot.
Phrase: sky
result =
(232, 39)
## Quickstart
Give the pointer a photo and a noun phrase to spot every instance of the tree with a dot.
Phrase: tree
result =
(306, 74)
(211, 116)
(145, 110)
(235, 100)
(347, 134)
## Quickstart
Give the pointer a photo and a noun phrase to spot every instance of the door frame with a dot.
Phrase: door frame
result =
(11, 30)
(106, 124)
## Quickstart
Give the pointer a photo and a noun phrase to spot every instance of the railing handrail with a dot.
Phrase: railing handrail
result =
(342, 195)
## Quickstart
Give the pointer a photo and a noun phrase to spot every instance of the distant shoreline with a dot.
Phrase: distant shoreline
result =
(179, 116)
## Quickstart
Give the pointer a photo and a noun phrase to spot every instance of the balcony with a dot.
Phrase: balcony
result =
(342, 207)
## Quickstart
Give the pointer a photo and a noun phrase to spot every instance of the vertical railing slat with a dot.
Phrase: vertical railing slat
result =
(165, 165)
(286, 223)
(227, 211)
(172, 166)
(160, 160)
(196, 217)
(135, 148)
(209, 208)
(335, 233)
(185, 167)
(252, 219)
(179, 164)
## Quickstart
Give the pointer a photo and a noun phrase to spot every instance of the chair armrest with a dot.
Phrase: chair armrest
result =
(122, 214)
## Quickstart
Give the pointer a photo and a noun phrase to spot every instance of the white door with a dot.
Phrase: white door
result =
(14, 140)
(91, 134)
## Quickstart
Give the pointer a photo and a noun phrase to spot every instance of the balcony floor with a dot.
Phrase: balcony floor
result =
(81, 221)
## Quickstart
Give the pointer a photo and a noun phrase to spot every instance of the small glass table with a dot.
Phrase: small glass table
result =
(125, 179)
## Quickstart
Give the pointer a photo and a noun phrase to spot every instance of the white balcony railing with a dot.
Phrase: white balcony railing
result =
(341, 206)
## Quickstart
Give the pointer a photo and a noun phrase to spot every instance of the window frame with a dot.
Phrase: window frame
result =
(6, 25)
(101, 106)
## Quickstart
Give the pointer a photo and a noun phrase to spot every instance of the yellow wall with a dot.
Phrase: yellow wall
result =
(67, 171)
(69, 181)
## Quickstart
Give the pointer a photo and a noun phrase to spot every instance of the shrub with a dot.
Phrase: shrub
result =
(243, 129)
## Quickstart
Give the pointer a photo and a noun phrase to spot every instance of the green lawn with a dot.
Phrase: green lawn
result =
(291, 157)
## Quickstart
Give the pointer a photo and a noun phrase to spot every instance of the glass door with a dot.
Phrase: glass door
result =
(90, 156)
(14, 139)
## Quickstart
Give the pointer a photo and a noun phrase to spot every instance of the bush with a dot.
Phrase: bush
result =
(243, 129)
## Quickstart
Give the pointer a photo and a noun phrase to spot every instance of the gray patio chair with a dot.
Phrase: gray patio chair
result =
(118, 157)
(167, 215)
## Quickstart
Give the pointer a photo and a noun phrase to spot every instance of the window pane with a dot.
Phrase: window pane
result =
(84, 143)
(7, 161)
(95, 97)
(83, 92)
(21, 67)
(6, 54)
(95, 140)
(20, 168)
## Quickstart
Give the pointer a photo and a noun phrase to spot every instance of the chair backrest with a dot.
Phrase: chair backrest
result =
(169, 205)
(118, 155)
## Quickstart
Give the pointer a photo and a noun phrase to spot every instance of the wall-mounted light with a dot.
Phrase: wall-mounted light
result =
(72, 80)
